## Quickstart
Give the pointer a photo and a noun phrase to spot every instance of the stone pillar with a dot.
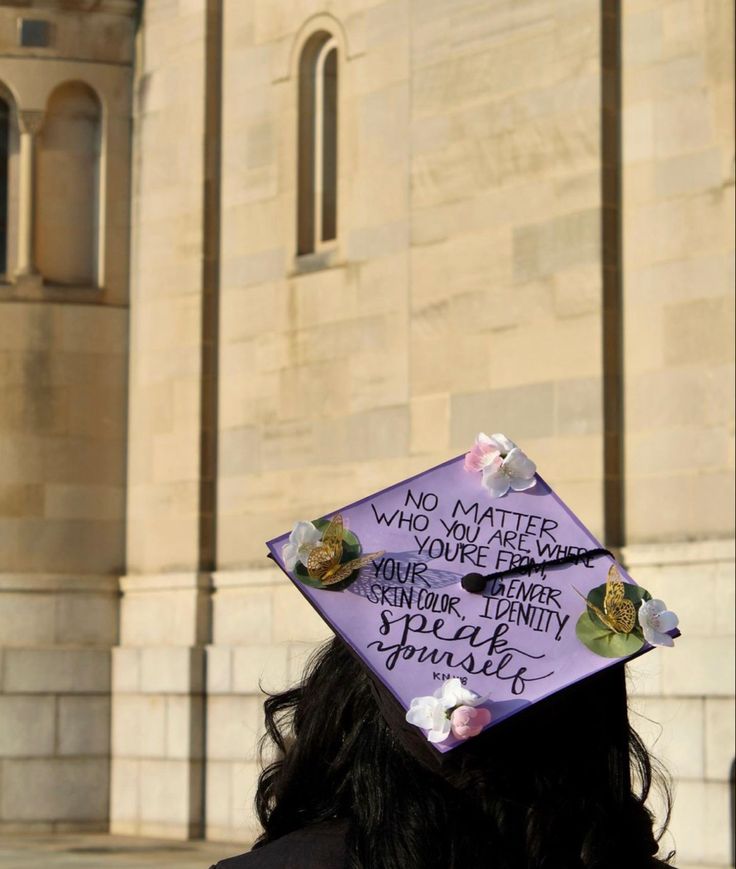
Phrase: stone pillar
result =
(30, 123)
(158, 705)
(683, 698)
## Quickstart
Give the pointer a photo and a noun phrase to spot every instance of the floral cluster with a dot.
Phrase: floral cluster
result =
(502, 464)
(452, 709)
(302, 540)
(655, 621)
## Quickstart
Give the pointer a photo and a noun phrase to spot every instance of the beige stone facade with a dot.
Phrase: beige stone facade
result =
(63, 397)
(534, 234)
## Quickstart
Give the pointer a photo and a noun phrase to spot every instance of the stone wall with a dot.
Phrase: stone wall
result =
(63, 373)
(678, 160)
(684, 703)
(157, 705)
(465, 286)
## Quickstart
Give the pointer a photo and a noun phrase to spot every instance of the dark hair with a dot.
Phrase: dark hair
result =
(550, 787)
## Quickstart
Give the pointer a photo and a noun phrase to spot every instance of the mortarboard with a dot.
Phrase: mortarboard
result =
(471, 591)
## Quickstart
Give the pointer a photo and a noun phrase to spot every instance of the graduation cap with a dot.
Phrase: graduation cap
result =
(471, 591)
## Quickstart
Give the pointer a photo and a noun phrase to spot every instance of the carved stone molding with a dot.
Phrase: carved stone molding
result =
(30, 120)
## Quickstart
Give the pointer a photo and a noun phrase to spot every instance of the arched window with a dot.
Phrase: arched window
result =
(4, 158)
(67, 188)
(317, 151)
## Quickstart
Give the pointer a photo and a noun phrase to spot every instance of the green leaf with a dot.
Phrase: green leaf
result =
(594, 634)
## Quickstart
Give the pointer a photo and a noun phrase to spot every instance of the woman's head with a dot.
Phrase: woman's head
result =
(560, 784)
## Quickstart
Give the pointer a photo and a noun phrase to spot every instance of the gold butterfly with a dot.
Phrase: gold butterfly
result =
(323, 561)
(618, 613)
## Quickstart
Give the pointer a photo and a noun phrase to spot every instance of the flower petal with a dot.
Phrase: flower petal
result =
(496, 482)
(482, 454)
(454, 694)
(305, 532)
(422, 712)
(289, 554)
(518, 465)
(522, 485)
(441, 733)
(657, 638)
(504, 444)
(667, 621)
(467, 721)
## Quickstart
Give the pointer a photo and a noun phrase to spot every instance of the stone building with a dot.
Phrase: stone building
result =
(263, 258)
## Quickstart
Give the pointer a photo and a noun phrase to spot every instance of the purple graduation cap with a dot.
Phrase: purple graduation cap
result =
(471, 590)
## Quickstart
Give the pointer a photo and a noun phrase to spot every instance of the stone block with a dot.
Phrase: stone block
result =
(577, 290)
(682, 123)
(160, 618)
(233, 727)
(700, 332)
(124, 793)
(57, 671)
(299, 655)
(701, 822)
(244, 784)
(54, 789)
(168, 796)
(541, 249)
(294, 619)
(86, 619)
(18, 500)
(218, 795)
(644, 675)
(84, 726)
(27, 726)
(61, 546)
(523, 412)
(219, 669)
(674, 731)
(84, 502)
(720, 740)
(83, 461)
(125, 670)
(171, 670)
(239, 451)
(699, 666)
(579, 406)
(662, 230)
(686, 174)
(260, 668)
(430, 423)
(138, 725)
(242, 616)
(93, 329)
(184, 727)
(27, 618)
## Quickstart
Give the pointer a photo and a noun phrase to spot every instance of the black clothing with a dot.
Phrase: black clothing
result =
(321, 846)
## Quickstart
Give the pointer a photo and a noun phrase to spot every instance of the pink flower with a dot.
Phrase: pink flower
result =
(467, 721)
(485, 451)
(504, 466)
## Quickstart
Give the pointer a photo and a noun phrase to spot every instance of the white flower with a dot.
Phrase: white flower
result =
(429, 714)
(433, 713)
(655, 620)
(503, 465)
(302, 540)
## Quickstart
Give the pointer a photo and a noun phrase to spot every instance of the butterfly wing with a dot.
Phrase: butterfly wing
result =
(344, 570)
(333, 533)
(598, 611)
(620, 610)
(327, 554)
